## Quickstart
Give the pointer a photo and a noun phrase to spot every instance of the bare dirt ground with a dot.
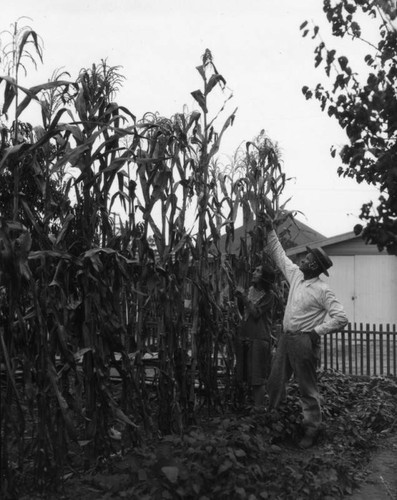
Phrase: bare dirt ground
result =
(381, 481)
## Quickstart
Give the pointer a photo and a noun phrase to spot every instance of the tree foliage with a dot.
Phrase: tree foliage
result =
(365, 106)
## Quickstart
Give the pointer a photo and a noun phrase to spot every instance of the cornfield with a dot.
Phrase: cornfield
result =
(109, 225)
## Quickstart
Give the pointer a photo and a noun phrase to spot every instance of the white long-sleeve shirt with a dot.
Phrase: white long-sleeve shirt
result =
(311, 304)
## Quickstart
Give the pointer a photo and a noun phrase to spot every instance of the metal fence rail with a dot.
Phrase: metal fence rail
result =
(361, 350)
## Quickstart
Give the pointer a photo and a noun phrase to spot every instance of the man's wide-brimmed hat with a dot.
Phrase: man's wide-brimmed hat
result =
(322, 259)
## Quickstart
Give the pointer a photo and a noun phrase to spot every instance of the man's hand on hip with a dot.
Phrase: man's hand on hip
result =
(314, 337)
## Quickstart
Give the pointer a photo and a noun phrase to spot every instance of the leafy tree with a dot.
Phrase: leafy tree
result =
(365, 108)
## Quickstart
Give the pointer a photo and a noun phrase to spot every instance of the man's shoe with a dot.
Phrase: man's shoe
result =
(307, 441)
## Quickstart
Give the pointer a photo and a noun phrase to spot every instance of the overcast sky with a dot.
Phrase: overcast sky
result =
(257, 47)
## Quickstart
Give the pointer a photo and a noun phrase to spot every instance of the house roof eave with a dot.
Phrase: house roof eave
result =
(333, 240)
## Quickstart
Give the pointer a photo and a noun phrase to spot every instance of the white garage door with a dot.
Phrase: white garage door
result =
(367, 287)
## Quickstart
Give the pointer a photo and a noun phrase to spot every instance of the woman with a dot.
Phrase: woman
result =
(253, 351)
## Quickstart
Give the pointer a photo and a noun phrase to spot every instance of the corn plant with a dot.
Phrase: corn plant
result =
(205, 306)
(65, 280)
(78, 286)
(20, 167)
(165, 175)
(252, 184)
(173, 173)
(15, 54)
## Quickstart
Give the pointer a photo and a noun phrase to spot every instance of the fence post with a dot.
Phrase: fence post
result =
(325, 352)
(394, 350)
(355, 350)
(374, 371)
(349, 347)
(343, 351)
(388, 349)
(381, 350)
(368, 350)
(361, 349)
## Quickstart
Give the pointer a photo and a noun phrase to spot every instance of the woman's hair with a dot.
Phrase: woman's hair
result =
(268, 274)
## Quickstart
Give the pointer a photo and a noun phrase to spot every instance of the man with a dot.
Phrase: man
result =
(312, 310)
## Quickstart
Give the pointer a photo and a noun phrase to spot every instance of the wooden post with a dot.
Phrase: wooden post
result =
(394, 351)
(368, 370)
(349, 337)
(381, 349)
(374, 371)
(388, 349)
(355, 350)
(335, 335)
(343, 352)
(361, 349)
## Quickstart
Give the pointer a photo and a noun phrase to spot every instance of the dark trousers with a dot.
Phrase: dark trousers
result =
(295, 354)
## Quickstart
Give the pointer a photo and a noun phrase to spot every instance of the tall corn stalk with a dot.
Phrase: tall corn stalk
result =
(162, 172)
(100, 158)
(203, 301)
(91, 285)
(64, 308)
(173, 172)
(251, 183)
(16, 52)
(165, 189)
(18, 292)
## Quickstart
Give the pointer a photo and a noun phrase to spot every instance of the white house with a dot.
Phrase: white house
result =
(363, 279)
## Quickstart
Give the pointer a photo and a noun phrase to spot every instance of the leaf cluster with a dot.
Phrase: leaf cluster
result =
(250, 455)
(365, 107)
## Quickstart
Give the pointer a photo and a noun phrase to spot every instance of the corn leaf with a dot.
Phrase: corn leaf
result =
(199, 97)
